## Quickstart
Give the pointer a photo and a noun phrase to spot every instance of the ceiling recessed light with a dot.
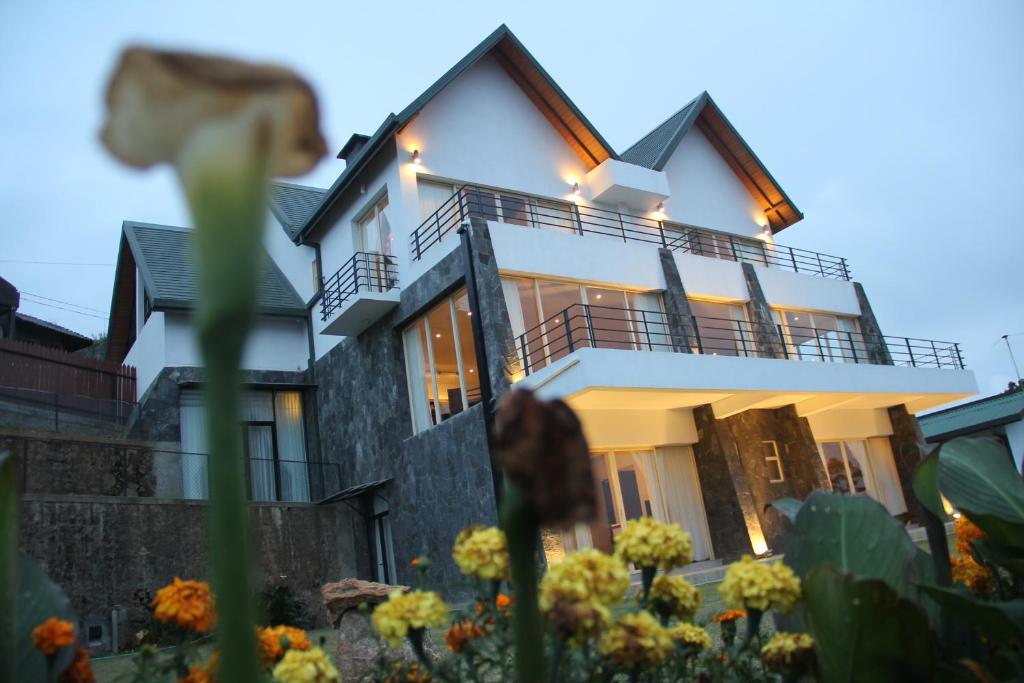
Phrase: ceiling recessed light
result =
(438, 335)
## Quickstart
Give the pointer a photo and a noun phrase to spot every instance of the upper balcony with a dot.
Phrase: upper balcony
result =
(359, 293)
(552, 214)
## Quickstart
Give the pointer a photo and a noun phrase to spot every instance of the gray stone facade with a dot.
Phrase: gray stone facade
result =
(677, 306)
(878, 352)
(767, 340)
(906, 440)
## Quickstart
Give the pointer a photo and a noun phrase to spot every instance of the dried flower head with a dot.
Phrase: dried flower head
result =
(757, 585)
(52, 635)
(578, 621)
(690, 636)
(541, 447)
(159, 102)
(966, 533)
(187, 604)
(675, 596)
(482, 551)
(459, 634)
(80, 669)
(637, 640)
(977, 577)
(789, 653)
(306, 666)
(647, 542)
(404, 611)
(274, 641)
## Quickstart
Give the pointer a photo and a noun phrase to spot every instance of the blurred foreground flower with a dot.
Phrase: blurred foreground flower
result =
(637, 640)
(482, 551)
(408, 614)
(275, 641)
(760, 585)
(649, 543)
(186, 604)
(306, 666)
(53, 635)
(80, 669)
(675, 596)
(690, 636)
(790, 653)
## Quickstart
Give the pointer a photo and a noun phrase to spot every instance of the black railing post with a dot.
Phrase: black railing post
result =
(416, 240)
(696, 334)
(355, 274)
(622, 226)
(578, 219)
(821, 269)
(910, 351)
(743, 337)
(853, 346)
(732, 246)
(821, 350)
(935, 354)
(846, 270)
(524, 353)
(647, 329)
(568, 329)
(661, 228)
(959, 358)
(785, 346)
(590, 325)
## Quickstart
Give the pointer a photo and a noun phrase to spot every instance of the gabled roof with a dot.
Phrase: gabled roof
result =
(984, 413)
(520, 65)
(163, 256)
(293, 204)
(656, 148)
(70, 340)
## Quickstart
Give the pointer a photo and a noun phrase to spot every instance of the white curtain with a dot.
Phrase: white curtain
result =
(258, 406)
(193, 446)
(683, 500)
(291, 446)
(417, 374)
(646, 462)
(653, 335)
(886, 478)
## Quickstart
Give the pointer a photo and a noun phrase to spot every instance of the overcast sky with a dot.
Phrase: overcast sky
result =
(896, 127)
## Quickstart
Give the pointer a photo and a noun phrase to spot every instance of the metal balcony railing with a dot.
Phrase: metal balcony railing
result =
(551, 214)
(365, 271)
(605, 327)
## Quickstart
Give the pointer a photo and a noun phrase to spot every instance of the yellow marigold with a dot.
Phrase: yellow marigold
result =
(729, 615)
(584, 576)
(976, 577)
(404, 611)
(690, 636)
(407, 673)
(80, 669)
(459, 634)
(306, 666)
(966, 532)
(760, 586)
(482, 551)
(674, 595)
(578, 621)
(188, 604)
(271, 645)
(637, 640)
(789, 652)
(52, 635)
(649, 543)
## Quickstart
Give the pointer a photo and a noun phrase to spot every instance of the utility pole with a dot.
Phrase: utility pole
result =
(1006, 338)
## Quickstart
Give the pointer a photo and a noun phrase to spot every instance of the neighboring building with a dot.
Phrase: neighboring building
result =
(714, 369)
(18, 326)
(1000, 416)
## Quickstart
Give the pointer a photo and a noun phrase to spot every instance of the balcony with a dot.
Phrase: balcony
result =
(603, 327)
(552, 214)
(359, 293)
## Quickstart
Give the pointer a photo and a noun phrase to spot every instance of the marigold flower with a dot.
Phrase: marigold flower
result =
(404, 611)
(187, 604)
(502, 601)
(407, 673)
(52, 635)
(637, 640)
(459, 634)
(584, 576)
(690, 635)
(482, 551)
(80, 669)
(578, 621)
(271, 646)
(196, 674)
(789, 653)
(760, 586)
(976, 577)
(306, 666)
(966, 532)
(675, 596)
(649, 543)
(729, 615)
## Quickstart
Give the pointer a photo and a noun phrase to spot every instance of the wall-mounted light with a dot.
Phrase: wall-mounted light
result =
(660, 208)
(416, 157)
(576, 189)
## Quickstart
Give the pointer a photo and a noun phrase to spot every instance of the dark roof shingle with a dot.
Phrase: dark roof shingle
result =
(648, 150)
(293, 204)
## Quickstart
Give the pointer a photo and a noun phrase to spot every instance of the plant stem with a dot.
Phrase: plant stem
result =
(646, 579)
(522, 528)
(753, 627)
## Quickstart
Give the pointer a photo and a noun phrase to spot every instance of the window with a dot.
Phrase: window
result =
(725, 246)
(383, 552)
(547, 314)
(722, 329)
(273, 435)
(440, 362)
(864, 466)
(773, 462)
(495, 205)
(375, 234)
(821, 336)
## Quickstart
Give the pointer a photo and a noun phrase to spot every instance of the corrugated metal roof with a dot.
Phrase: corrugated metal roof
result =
(32, 320)
(163, 255)
(649, 149)
(976, 415)
(293, 204)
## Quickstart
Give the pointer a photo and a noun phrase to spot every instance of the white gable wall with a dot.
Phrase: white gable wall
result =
(705, 191)
(296, 262)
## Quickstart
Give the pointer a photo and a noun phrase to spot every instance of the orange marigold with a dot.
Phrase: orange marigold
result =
(503, 601)
(729, 615)
(975, 576)
(271, 646)
(459, 634)
(80, 669)
(52, 635)
(966, 531)
(197, 674)
(188, 604)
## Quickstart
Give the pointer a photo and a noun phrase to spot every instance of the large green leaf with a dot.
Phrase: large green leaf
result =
(856, 535)
(38, 598)
(8, 553)
(978, 477)
(1001, 622)
(926, 485)
(865, 631)
(1009, 558)
(789, 507)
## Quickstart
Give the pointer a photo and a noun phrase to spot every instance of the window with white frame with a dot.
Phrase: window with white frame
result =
(821, 336)
(546, 314)
(495, 205)
(773, 462)
(440, 361)
(864, 467)
(374, 229)
(722, 329)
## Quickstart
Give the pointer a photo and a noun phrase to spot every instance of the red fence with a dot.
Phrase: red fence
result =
(38, 368)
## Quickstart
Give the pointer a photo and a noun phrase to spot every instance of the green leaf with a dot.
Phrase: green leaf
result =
(1009, 558)
(979, 479)
(8, 555)
(38, 598)
(856, 535)
(1001, 622)
(926, 485)
(787, 506)
(865, 631)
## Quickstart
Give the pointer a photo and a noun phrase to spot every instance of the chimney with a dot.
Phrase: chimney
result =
(352, 147)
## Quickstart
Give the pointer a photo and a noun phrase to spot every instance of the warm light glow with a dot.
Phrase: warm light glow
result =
(576, 189)
(416, 157)
(438, 335)
(761, 220)
(758, 544)
(956, 515)
(472, 370)
(660, 208)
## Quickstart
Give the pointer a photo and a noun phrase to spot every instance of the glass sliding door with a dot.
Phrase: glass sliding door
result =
(722, 329)
(194, 485)
(821, 336)
(847, 466)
